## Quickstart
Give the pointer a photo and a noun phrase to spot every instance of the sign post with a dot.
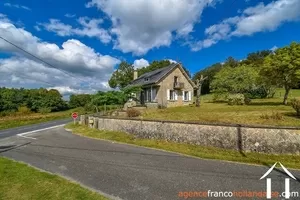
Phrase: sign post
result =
(74, 116)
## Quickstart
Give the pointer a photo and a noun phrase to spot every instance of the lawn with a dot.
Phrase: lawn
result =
(260, 111)
(20, 181)
(34, 118)
(291, 161)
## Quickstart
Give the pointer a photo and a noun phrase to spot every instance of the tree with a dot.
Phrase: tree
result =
(208, 72)
(283, 68)
(241, 79)
(79, 100)
(122, 76)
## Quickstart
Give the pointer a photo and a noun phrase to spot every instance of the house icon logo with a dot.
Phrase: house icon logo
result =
(269, 181)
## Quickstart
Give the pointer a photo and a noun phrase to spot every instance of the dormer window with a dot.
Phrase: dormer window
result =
(146, 79)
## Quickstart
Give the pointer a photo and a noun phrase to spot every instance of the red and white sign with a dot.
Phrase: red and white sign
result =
(74, 115)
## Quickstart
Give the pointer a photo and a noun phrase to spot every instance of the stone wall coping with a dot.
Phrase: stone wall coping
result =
(204, 123)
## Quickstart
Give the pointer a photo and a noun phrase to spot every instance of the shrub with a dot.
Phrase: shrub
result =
(131, 112)
(274, 116)
(236, 99)
(44, 110)
(219, 97)
(295, 103)
(23, 110)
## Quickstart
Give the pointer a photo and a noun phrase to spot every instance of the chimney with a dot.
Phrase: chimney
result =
(135, 74)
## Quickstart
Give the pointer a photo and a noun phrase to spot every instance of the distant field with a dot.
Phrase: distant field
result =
(222, 112)
(20, 120)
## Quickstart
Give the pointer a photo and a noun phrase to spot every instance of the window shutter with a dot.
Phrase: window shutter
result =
(168, 94)
(175, 95)
(190, 95)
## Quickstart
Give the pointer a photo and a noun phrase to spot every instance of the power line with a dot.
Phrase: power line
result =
(16, 46)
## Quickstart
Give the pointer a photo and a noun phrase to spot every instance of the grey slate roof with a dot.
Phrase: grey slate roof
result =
(153, 76)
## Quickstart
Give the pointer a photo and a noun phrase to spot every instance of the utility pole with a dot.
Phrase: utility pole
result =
(199, 83)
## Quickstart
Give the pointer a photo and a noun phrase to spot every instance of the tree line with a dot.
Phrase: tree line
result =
(257, 76)
(34, 100)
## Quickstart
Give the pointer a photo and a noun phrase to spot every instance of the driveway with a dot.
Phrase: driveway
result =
(128, 172)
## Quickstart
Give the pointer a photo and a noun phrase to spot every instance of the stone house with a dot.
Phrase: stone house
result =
(165, 87)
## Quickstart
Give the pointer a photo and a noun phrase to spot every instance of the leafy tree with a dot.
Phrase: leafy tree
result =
(241, 79)
(122, 76)
(256, 59)
(208, 72)
(283, 68)
(79, 100)
(231, 62)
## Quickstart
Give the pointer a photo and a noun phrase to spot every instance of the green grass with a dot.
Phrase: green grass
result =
(291, 161)
(34, 118)
(19, 181)
(222, 112)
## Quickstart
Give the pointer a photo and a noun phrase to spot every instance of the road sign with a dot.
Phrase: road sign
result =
(74, 115)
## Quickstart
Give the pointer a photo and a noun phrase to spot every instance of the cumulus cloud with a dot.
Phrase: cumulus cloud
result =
(140, 63)
(143, 25)
(260, 18)
(88, 27)
(73, 64)
(17, 6)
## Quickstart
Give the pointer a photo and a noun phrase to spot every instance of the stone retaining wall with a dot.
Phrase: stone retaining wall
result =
(248, 139)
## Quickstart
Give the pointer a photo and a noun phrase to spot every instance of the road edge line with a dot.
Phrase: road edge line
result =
(38, 130)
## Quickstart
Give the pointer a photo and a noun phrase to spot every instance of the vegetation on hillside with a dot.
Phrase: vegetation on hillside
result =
(256, 76)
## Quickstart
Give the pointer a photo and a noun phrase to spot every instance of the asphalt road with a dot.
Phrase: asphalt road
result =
(128, 172)
(14, 131)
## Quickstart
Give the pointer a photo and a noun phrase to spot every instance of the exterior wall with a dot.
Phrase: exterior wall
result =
(168, 84)
(246, 139)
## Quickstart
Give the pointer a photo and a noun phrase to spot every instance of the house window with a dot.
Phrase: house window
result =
(146, 79)
(175, 79)
(186, 95)
(172, 95)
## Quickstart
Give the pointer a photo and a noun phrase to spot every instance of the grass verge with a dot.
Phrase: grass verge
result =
(290, 161)
(34, 118)
(20, 181)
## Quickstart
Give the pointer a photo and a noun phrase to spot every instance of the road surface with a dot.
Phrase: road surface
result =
(128, 172)
(14, 131)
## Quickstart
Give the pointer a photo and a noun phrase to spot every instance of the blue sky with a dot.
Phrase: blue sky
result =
(86, 40)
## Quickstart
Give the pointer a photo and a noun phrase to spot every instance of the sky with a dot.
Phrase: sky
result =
(82, 43)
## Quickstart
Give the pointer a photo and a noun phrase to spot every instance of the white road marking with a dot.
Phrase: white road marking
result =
(27, 137)
(30, 132)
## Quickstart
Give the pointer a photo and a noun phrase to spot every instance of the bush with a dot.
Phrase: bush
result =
(219, 97)
(295, 103)
(44, 110)
(274, 116)
(24, 110)
(131, 112)
(236, 99)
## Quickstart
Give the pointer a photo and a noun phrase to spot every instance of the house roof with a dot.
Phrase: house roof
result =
(153, 76)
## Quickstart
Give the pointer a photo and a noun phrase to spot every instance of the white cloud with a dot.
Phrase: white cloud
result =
(74, 64)
(89, 27)
(172, 61)
(142, 25)
(16, 6)
(140, 63)
(274, 48)
(68, 15)
(260, 18)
